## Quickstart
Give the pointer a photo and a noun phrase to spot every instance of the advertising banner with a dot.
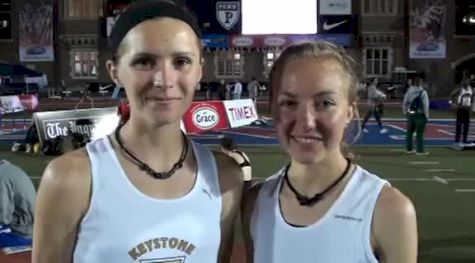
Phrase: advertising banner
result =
(240, 112)
(29, 101)
(335, 7)
(282, 41)
(36, 31)
(215, 41)
(427, 29)
(10, 104)
(93, 123)
(206, 115)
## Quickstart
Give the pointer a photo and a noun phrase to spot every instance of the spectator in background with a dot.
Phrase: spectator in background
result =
(375, 99)
(222, 90)
(237, 90)
(17, 202)
(463, 102)
(415, 106)
(229, 89)
(230, 148)
(253, 89)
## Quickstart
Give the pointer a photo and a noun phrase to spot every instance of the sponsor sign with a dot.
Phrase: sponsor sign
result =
(427, 29)
(215, 41)
(36, 31)
(282, 41)
(29, 101)
(228, 13)
(337, 24)
(335, 7)
(93, 123)
(240, 112)
(10, 104)
(203, 116)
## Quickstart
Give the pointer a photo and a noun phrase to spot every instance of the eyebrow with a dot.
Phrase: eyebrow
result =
(317, 95)
(174, 54)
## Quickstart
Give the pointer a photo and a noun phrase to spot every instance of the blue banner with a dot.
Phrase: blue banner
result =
(215, 41)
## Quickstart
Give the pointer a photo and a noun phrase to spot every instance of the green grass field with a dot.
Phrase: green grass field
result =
(446, 218)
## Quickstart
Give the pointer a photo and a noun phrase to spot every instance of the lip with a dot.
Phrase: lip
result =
(306, 139)
(161, 99)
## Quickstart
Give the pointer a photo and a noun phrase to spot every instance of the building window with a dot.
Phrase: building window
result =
(377, 62)
(270, 56)
(83, 9)
(229, 64)
(5, 20)
(379, 7)
(84, 64)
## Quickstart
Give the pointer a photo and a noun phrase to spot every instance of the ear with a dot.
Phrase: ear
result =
(352, 112)
(113, 71)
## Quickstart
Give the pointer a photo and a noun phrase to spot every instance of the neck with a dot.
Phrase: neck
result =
(150, 144)
(309, 179)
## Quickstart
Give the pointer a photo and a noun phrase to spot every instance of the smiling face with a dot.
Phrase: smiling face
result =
(312, 108)
(159, 66)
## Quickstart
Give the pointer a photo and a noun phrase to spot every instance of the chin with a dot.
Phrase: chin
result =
(307, 158)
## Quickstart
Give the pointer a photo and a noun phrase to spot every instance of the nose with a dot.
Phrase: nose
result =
(164, 76)
(307, 116)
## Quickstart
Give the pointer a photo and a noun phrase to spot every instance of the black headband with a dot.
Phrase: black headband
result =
(141, 11)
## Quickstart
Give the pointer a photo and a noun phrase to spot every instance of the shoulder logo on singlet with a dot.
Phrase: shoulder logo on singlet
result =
(164, 260)
(348, 218)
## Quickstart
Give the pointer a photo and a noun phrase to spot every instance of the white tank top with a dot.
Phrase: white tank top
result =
(125, 225)
(465, 97)
(341, 235)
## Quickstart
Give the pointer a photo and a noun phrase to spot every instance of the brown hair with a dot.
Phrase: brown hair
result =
(314, 50)
(318, 50)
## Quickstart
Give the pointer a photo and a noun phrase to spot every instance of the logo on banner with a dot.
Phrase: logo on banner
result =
(227, 14)
(335, 7)
(274, 41)
(205, 117)
(243, 41)
(329, 26)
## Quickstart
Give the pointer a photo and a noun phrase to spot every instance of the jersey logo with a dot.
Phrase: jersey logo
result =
(227, 14)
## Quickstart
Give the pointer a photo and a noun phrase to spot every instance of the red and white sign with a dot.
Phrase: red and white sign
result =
(29, 101)
(240, 112)
(203, 116)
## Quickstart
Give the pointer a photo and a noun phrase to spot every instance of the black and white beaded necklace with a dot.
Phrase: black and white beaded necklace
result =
(145, 167)
(311, 201)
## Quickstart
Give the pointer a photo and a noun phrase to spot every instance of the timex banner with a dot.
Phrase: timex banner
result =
(337, 24)
(335, 7)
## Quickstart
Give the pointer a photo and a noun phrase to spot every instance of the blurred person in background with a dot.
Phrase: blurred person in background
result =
(375, 103)
(415, 106)
(17, 202)
(462, 98)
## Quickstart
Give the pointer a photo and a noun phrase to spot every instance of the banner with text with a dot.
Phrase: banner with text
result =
(240, 112)
(93, 123)
(206, 115)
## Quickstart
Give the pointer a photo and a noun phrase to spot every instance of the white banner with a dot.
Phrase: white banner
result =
(240, 112)
(10, 104)
(335, 7)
